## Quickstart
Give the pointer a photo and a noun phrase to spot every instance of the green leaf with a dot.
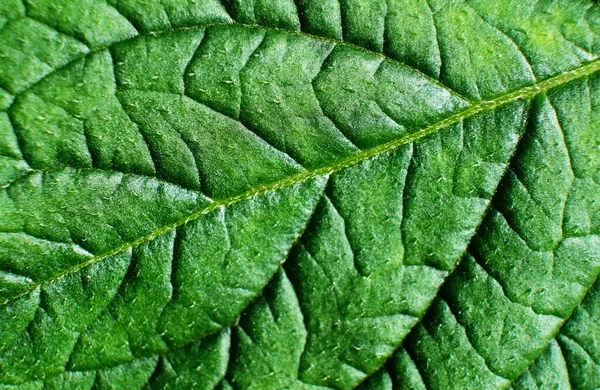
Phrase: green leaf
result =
(532, 262)
(569, 362)
(254, 194)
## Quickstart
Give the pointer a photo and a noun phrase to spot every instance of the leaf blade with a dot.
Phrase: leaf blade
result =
(284, 16)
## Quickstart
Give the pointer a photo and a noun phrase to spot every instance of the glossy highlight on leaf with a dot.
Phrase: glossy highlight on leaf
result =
(310, 194)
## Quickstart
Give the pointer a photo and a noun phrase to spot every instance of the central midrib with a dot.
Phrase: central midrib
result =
(518, 94)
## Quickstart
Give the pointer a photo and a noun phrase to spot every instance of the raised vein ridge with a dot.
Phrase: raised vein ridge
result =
(518, 94)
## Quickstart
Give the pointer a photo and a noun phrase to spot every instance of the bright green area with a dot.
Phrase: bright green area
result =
(257, 194)
(570, 361)
(573, 357)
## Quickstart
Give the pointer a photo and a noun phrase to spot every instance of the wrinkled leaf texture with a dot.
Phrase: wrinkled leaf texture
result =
(306, 194)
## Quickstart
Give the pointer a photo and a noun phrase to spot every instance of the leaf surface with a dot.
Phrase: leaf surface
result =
(160, 161)
(571, 359)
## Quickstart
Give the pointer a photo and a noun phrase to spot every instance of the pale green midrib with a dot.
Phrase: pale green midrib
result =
(519, 94)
